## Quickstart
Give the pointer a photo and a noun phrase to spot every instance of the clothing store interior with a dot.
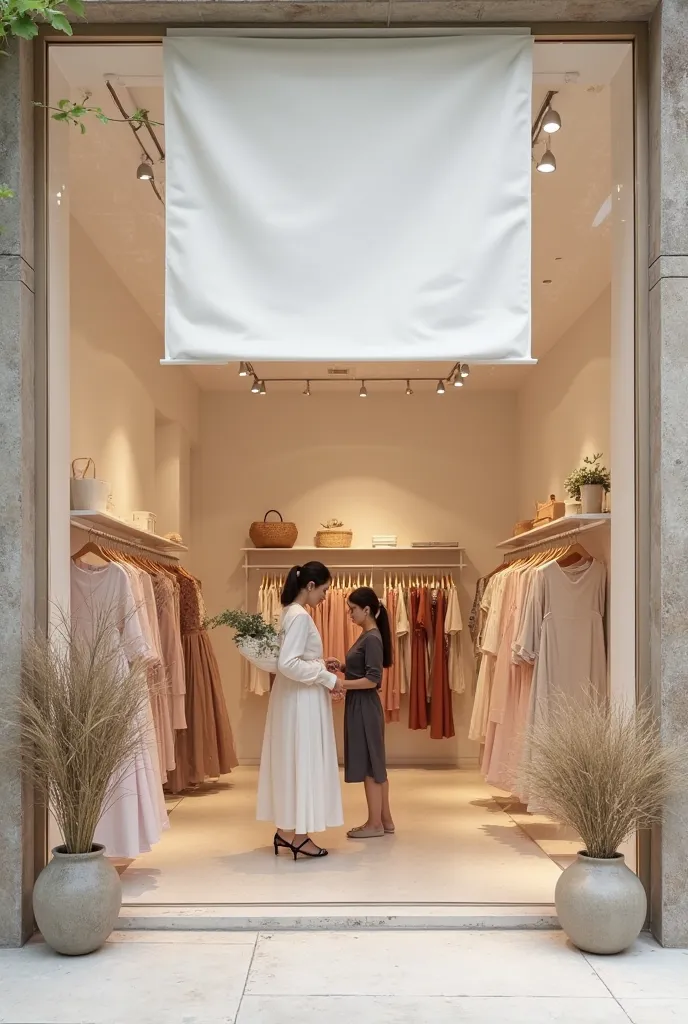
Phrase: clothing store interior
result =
(438, 473)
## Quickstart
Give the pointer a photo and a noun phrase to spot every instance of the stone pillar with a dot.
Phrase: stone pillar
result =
(17, 490)
(668, 310)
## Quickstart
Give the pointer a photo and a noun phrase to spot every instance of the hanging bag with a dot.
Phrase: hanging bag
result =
(87, 494)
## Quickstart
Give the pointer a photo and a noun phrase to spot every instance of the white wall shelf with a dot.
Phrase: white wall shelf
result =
(557, 529)
(344, 550)
(101, 523)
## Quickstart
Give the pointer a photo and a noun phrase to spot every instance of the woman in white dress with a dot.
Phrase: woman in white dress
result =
(298, 787)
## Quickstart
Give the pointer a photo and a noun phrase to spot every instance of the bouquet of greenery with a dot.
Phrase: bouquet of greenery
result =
(255, 638)
(591, 472)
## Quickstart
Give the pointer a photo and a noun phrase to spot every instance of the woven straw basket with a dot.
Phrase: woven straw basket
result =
(333, 538)
(273, 535)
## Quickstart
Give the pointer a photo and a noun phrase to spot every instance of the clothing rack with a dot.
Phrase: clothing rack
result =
(120, 542)
(551, 540)
(360, 566)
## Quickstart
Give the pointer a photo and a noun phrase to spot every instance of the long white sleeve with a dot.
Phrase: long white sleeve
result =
(292, 663)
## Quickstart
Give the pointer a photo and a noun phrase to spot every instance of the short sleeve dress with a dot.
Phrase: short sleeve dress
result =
(364, 718)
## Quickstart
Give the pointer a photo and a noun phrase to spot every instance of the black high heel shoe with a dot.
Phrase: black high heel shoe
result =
(279, 841)
(296, 850)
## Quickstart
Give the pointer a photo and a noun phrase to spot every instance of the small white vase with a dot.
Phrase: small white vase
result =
(591, 498)
(601, 904)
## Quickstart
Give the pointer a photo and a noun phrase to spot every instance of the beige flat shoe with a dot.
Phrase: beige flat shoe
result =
(365, 833)
(390, 831)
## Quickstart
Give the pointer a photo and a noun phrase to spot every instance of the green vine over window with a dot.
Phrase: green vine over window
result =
(20, 18)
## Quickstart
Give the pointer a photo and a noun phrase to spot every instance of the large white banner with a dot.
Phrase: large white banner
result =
(348, 198)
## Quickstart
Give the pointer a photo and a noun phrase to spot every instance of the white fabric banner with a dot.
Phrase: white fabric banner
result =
(348, 198)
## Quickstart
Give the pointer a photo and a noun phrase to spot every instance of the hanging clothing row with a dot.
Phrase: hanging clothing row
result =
(539, 627)
(425, 624)
(159, 609)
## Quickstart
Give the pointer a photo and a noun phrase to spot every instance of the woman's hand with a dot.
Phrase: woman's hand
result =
(337, 692)
(333, 665)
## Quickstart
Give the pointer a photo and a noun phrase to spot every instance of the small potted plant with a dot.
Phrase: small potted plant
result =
(82, 713)
(589, 483)
(255, 638)
(605, 773)
(333, 535)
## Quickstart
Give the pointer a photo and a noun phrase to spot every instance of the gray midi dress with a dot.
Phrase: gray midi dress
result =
(364, 718)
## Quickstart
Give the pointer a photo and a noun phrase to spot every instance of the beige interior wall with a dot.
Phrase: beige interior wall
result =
(119, 390)
(425, 467)
(564, 408)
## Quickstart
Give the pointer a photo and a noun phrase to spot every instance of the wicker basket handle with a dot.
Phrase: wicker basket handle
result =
(269, 512)
(81, 474)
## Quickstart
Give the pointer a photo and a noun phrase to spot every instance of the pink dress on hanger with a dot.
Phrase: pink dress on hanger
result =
(136, 815)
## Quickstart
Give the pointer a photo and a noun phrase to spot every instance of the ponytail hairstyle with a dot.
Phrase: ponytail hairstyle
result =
(300, 576)
(365, 597)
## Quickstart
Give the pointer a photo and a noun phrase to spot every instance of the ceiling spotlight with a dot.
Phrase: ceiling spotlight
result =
(552, 122)
(440, 387)
(547, 164)
(256, 386)
(243, 369)
(363, 393)
(307, 389)
(262, 390)
(464, 370)
(409, 389)
(144, 172)
(457, 382)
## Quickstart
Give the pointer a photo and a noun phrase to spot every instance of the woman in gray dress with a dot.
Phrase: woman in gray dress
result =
(364, 719)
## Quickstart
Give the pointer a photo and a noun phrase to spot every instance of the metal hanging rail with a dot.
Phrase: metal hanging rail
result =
(551, 540)
(120, 542)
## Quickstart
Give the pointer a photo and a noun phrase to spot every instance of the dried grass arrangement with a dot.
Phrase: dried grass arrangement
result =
(603, 771)
(80, 711)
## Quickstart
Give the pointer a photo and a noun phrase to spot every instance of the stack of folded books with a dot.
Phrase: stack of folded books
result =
(384, 540)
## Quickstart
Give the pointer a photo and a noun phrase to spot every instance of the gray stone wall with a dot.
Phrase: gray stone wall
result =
(668, 282)
(16, 478)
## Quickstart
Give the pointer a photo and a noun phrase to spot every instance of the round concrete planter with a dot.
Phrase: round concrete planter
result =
(76, 901)
(601, 904)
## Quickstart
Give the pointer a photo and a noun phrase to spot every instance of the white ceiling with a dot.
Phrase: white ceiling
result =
(571, 257)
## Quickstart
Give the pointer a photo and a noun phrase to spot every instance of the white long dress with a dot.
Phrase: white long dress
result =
(298, 787)
(136, 815)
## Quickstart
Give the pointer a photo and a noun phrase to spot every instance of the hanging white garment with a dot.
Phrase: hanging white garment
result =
(453, 625)
(298, 786)
(136, 814)
(258, 680)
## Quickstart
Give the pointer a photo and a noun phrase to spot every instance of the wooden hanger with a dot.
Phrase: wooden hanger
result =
(572, 555)
(91, 548)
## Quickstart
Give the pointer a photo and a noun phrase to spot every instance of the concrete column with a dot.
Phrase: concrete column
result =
(668, 308)
(17, 498)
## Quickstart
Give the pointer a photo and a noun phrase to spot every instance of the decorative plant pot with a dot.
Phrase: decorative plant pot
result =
(76, 901)
(338, 538)
(592, 496)
(601, 904)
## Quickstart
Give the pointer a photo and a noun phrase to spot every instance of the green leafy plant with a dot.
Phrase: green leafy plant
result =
(591, 472)
(20, 18)
(263, 637)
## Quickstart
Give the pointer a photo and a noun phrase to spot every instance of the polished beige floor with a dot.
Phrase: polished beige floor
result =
(455, 843)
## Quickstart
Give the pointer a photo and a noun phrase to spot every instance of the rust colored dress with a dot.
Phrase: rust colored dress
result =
(420, 620)
(206, 748)
(441, 712)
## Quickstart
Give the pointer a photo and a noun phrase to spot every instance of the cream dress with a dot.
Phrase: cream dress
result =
(298, 787)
